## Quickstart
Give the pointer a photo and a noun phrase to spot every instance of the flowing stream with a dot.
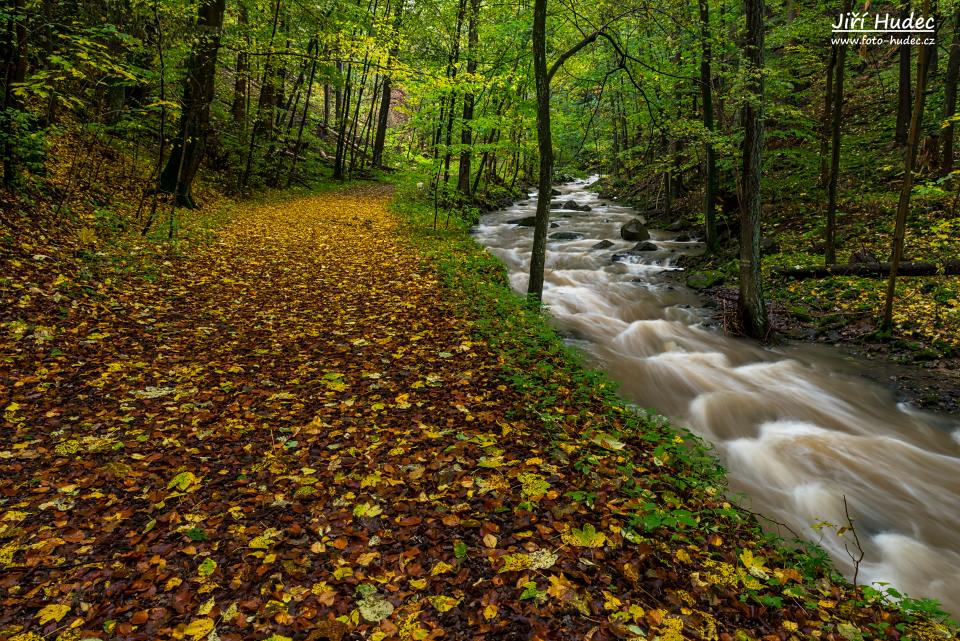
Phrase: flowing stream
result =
(796, 426)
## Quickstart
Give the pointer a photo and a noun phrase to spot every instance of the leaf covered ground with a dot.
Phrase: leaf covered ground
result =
(304, 429)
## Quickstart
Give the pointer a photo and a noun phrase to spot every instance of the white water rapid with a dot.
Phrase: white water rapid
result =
(797, 428)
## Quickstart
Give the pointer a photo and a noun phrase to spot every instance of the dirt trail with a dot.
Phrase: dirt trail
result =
(290, 434)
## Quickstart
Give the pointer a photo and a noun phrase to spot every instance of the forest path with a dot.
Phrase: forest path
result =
(291, 433)
(238, 442)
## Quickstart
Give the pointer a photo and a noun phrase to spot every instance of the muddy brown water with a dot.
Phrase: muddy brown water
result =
(797, 427)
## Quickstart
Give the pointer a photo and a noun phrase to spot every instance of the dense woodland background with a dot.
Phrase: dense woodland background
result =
(738, 120)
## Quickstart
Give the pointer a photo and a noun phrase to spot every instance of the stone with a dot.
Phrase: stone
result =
(565, 235)
(634, 230)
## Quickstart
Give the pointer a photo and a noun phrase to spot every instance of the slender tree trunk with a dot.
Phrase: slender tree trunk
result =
(751, 307)
(909, 157)
(452, 74)
(950, 97)
(466, 130)
(709, 161)
(545, 145)
(827, 118)
(15, 72)
(830, 251)
(241, 81)
(198, 93)
(305, 116)
(903, 90)
(265, 85)
(386, 94)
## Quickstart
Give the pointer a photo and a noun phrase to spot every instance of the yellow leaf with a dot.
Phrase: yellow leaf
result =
(490, 612)
(53, 612)
(754, 566)
(611, 602)
(207, 606)
(440, 568)
(490, 540)
(560, 587)
(443, 603)
(199, 628)
(588, 537)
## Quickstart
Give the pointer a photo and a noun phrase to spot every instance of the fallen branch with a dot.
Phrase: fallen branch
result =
(869, 270)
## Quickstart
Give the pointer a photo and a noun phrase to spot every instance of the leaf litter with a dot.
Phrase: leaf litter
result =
(293, 433)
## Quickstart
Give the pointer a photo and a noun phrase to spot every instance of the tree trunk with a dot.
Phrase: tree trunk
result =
(827, 118)
(869, 270)
(198, 93)
(241, 80)
(830, 251)
(709, 161)
(909, 156)
(466, 129)
(751, 308)
(452, 74)
(386, 96)
(903, 90)
(263, 101)
(15, 72)
(950, 97)
(545, 144)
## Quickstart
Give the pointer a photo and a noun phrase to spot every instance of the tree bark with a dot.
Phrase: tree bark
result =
(824, 178)
(241, 80)
(830, 245)
(909, 157)
(950, 97)
(386, 96)
(15, 72)
(709, 161)
(198, 93)
(751, 308)
(545, 146)
(903, 90)
(466, 129)
(869, 270)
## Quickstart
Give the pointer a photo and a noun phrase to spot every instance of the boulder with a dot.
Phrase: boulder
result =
(529, 221)
(603, 244)
(683, 238)
(565, 235)
(575, 206)
(637, 251)
(676, 225)
(554, 192)
(634, 230)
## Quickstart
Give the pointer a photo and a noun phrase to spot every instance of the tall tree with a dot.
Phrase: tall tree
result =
(950, 98)
(198, 90)
(538, 254)
(909, 159)
(386, 91)
(466, 128)
(241, 81)
(710, 159)
(751, 308)
(830, 245)
(903, 89)
(15, 71)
